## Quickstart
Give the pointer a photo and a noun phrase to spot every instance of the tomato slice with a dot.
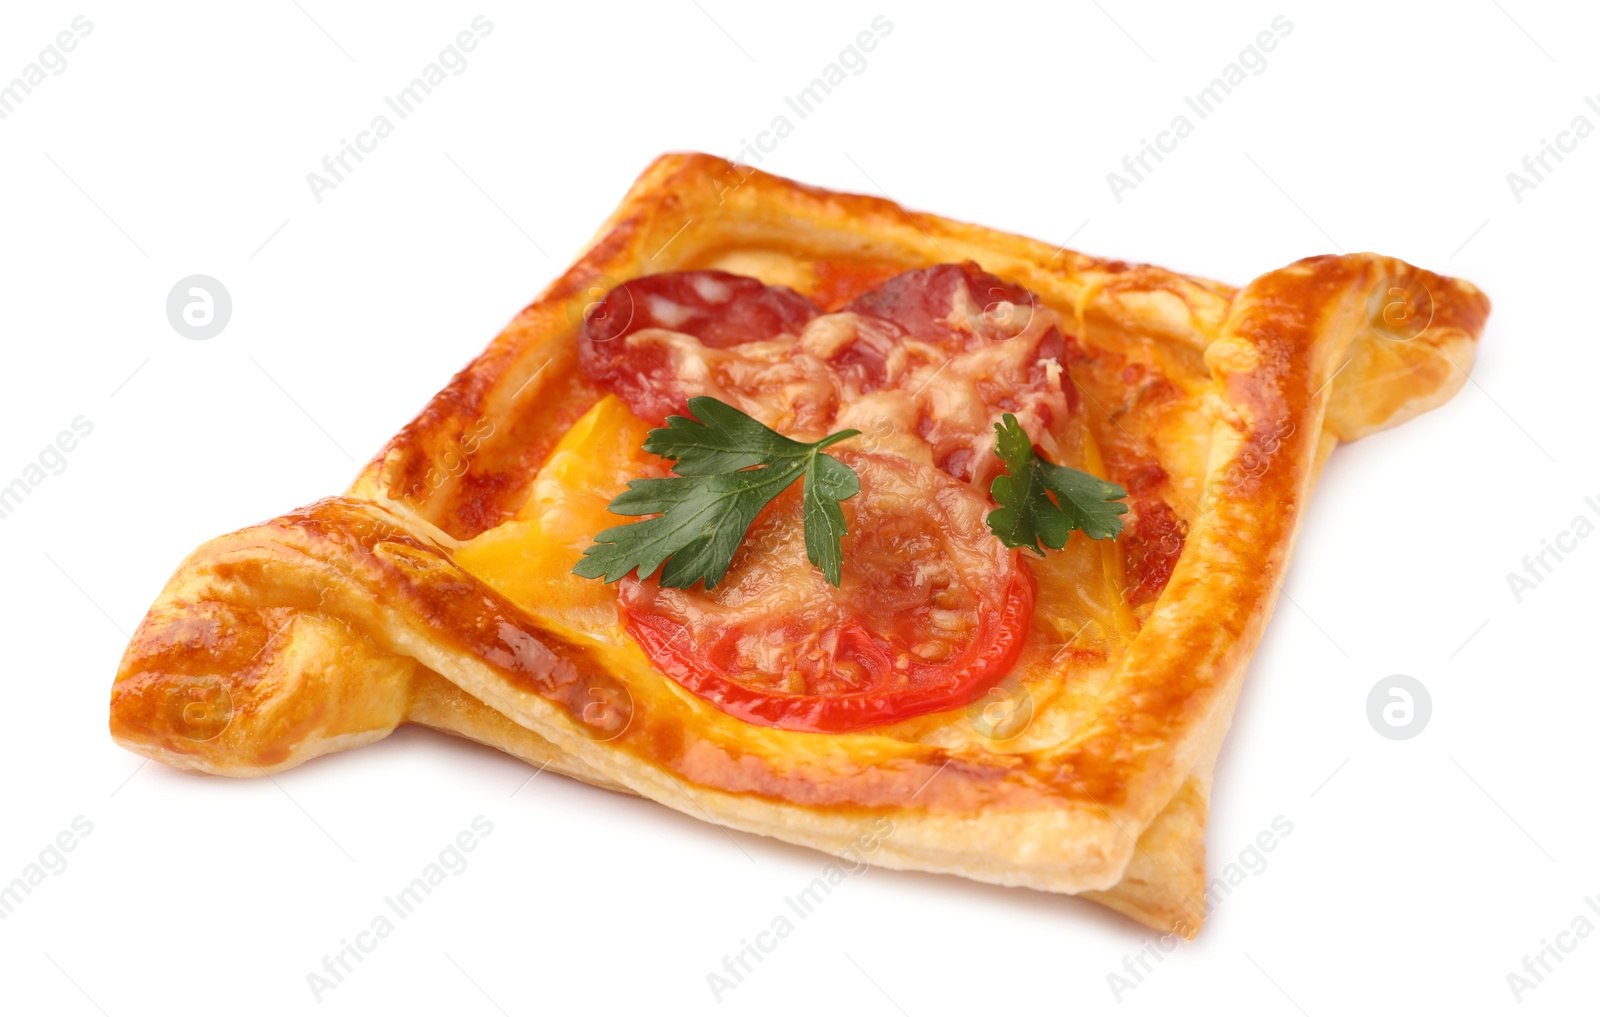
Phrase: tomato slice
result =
(931, 607)
(719, 309)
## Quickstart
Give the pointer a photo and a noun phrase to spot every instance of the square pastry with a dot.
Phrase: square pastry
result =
(815, 518)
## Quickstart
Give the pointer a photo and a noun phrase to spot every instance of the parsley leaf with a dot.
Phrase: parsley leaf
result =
(1027, 517)
(729, 466)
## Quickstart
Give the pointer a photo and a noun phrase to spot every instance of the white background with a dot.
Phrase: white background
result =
(177, 141)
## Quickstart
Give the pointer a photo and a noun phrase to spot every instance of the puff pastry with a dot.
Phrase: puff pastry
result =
(435, 591)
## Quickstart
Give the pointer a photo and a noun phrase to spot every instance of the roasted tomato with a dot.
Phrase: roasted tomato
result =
(930, 609)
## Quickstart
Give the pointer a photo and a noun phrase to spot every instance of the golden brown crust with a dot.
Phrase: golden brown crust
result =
(330, 625)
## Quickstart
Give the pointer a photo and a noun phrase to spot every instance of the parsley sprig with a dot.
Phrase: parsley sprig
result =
(1027, 517)
(729, 466)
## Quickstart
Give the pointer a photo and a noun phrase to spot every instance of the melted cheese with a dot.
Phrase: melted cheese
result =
(529, 560)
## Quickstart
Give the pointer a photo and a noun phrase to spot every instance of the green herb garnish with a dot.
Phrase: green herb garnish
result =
(1027, 517)
(729, 466)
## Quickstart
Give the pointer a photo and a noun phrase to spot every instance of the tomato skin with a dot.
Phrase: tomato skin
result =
(991, 653)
